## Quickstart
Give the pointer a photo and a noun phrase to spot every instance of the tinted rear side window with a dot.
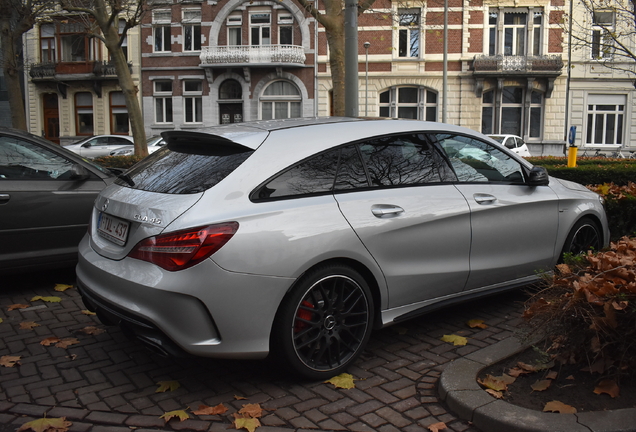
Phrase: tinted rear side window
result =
(172, 172)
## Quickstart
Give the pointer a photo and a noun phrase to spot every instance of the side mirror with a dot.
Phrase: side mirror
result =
(78, 172)
(538, 176)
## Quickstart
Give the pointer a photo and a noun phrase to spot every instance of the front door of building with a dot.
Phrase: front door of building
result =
(51, 117)
(230, 113)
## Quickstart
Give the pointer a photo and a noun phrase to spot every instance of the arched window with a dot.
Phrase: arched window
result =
(409, 103)
(280, 99)
(230, 102)
(230, 89)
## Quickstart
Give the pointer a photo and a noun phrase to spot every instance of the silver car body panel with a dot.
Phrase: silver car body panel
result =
(236, 293)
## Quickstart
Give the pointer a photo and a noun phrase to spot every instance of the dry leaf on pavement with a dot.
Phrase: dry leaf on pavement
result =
(50, 341)
(344, 381)
(477, 323)
(246, 423)
(46, 425)
(65, 343)
(208, 410)
(92, 330)
(436, 427)
(180, 414)
(560, 407)
(17, 306)
(455, 340)
(251, 410)
(28, 325)
(541, 385)
(9, 361)
(165, 386)
(62, 287)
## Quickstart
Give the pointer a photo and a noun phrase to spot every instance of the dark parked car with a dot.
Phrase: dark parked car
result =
(46, 198)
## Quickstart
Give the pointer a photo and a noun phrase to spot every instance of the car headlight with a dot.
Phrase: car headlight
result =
(121, 152)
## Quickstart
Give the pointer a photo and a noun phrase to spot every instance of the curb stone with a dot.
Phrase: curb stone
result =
(459, 389)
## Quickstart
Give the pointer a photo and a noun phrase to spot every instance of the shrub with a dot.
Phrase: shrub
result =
(123, 162)
(588, 310)
(590, 170)
(620, 207)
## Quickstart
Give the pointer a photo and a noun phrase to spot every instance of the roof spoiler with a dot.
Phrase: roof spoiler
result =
(202, 144)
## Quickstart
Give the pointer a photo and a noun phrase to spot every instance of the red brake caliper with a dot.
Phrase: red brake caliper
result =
(303, 315)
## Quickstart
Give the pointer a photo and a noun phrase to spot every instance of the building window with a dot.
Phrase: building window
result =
(409, 103)
(602, 27)
(605, 114)
(409, 34)
(234, 29)
(118, 114)
(281, 99)
(84, 113)
(519, 34)
(191, 29)
(515, 115)
(124, 43)
(285, 29)
(161, 27)
(47, 43)
(76, 46)
(193, 101)
(260, 28)
(163, 101)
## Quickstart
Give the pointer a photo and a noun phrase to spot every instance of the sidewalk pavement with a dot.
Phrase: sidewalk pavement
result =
(106, 382)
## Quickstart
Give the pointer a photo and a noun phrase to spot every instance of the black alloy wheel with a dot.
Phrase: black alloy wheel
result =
(326, 322)
(584, 236)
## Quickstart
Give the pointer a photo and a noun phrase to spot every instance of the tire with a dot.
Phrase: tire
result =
(325, 322)
(585, 235)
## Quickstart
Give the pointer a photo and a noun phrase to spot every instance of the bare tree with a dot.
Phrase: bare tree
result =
(101, 19)
(605, 32)
(16, 18)
(332, 19)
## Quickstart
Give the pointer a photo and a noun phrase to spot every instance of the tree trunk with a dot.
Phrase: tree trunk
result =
(336, 41)
(12, 66)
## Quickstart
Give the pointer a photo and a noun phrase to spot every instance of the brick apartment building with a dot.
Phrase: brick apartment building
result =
(207, 62)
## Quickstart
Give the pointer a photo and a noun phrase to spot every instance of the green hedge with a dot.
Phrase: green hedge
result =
(590, 170)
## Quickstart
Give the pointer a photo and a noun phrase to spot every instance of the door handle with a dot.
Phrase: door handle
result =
(4, 198)
(484, 198)
(386, 210)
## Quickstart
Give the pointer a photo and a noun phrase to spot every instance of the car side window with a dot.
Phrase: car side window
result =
(476, 161)
(23, 160)
(119, 141)
(315, 175)
(400, 160)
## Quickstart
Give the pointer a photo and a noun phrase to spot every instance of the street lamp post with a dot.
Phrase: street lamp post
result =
(366, 78)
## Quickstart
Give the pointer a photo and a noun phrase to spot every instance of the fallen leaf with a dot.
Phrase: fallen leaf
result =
(552, 375)
(526, 367)
(50, 299)
(180, 414)
(571, 377)
(47, 425)
(560, 407)
(17, 306)
(239, 397)
(495, 393)
(9, 361)
(435, 427)
(251, 410)
(62, 287)
(516, 372)
(50, 341)
(92, 330)
(87, 312)
(28, 325)
(608, 387)
(165, 386)
(541, 385)
(344, 381)
(477, 323)
(493, 383)
(247, 423)
(65, 343)
(72, 356)
(207, 410)
(455, 340)
(1, 320)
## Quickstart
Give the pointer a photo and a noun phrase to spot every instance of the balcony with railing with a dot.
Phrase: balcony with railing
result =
(252, 55)
(500, 65)
(74, 71)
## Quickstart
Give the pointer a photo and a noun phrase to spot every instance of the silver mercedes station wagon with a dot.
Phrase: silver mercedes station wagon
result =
(298, 237)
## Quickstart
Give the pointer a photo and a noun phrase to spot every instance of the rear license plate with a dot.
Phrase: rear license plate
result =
(113, 229)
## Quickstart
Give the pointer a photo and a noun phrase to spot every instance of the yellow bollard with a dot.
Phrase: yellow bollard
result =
(572, 150)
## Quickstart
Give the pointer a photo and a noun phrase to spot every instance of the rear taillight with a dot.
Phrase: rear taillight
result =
(182, 249)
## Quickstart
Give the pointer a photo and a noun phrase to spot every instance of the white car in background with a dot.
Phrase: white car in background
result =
(154, 144)
(513, 143)
(100, 145)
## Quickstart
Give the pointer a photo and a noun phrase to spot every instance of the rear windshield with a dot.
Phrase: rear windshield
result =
(167, 171)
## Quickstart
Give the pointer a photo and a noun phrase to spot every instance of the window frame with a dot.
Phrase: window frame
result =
(423, 104)
(78, 111)
(191, 23)
(192, 102)
(602, 47)
(409, 35)
(277, 100)
(163, 96)
(118, 109)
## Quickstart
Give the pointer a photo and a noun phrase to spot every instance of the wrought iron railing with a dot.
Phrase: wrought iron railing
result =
(258, 54)
(49, 69)
(501, 63)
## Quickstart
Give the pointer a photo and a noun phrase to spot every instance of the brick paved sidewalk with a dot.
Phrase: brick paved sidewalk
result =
(108, 383)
